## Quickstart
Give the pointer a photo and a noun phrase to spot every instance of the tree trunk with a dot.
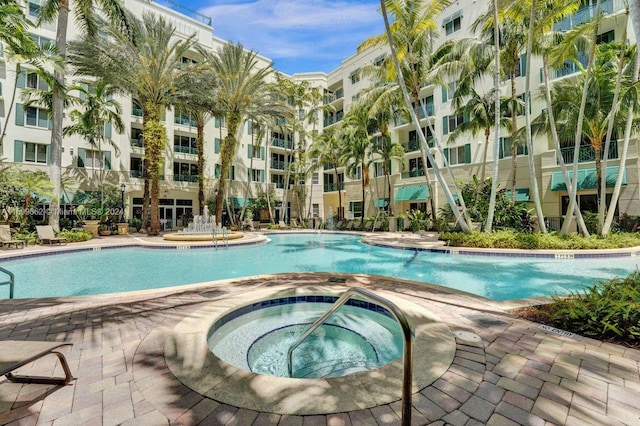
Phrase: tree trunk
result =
(200, 119)
(227, 153)
(57, 106)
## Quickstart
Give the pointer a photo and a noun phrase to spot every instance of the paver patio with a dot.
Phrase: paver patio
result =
(518, 373)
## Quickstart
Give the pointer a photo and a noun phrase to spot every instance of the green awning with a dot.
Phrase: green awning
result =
(381, 202)
(413, 192)
(587, 179)
(239, 202)
(522, 194)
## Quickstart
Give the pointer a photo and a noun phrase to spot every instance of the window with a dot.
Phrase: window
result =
(315, 179)
(521, 66)
(254, 151)
(357, 173)
(506, 148)
(278, 180)
(458, 155)
(448, 90)
(453, 23)
(355, 76)
(220, 122)
(356, 208)
(521, 110)
(378, 169)
(450, 122)
(216, 147)
(34, 81)
(255, 175)
(184, 144)
(96, 159)
(315, 208)
(415, 167)
(40, 41)
(607, 37)
(35, 153)
(379, 60)
(37, 117)
(331, 183)
(34, 10)
(185, 172)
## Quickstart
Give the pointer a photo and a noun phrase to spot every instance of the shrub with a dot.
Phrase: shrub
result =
(609, 310)
(76, 236)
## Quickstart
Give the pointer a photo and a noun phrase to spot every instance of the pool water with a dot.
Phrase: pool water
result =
(127, 269)
(352, 340)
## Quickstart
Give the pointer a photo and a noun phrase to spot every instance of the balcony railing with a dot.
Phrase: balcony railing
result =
(608, 7)
(412, 174)
(137, 142)
(136, 112)
(279, 185)
(185, 121)
(139, 174)
(185, 149)
(333, 119)
(586, 153)
(331, 187)
(282, 143)
(185, 178)
(279, 165)
(338, 94)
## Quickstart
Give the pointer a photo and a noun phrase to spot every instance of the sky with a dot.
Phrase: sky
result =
(298, 35)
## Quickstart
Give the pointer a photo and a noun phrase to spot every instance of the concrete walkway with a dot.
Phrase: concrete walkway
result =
(505, 371)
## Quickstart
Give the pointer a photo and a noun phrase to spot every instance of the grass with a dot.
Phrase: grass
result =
(550, 241)
(608, 311)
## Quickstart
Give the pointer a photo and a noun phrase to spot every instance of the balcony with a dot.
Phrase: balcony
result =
(139, 174)
(185, 121)
(279, 165)
(332, 187)
(338, 94)
(282, 143)
(185, 178)
(333, 119)
(421, 115)
(138, 143)
(412, 173)
(185, 149)
(411, 146)
(586, 153)
(608, 7)
(136, 112)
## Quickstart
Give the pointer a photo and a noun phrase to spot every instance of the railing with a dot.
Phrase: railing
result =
(279, 165)
(139, 174)
(282, 143)
(586, 153)
(338, 94)
(137, 143)
(607, 7)
(407, 334)
(412, 146)
(204, 19)
(330, 187)
(333, 119)
(185, 121)
(412, 174)
(136, 112)
(185, 178)
(185, 149)
(11, 281)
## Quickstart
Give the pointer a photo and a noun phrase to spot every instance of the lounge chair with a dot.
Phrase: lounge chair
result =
(17, 353)
(6, 240)
(46, 235)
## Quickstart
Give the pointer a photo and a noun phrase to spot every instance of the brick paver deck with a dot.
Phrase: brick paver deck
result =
(517, 373)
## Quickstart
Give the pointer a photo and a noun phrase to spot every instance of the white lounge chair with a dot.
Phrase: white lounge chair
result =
(17, 353)
(47, 236)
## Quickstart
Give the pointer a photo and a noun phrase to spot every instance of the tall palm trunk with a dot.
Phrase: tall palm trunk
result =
(201, 161)
(227, 152)
(634, 9)
(496, 147)
(527, 117)
(57, 107)
(514, 124)
(154, 135)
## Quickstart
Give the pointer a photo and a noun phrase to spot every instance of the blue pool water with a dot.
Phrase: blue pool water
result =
(127, 269)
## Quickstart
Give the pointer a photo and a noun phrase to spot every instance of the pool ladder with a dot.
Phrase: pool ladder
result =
(11, 281)
(407, 334)
(222, 230)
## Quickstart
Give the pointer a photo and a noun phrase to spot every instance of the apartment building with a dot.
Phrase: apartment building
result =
(263, 168)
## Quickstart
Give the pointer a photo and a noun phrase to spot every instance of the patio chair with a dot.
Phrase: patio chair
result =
(6, 240)
(17, 353)
(46, 235)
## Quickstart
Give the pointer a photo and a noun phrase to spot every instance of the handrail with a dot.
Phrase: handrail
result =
(407, 373)
(11, 281)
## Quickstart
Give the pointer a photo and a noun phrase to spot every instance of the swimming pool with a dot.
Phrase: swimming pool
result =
(127, 269)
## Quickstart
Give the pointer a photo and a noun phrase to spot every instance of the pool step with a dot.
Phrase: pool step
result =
(333, 368)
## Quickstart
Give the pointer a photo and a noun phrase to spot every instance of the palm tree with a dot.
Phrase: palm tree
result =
(149, 67)
(93, 123)
(328, 150)
(411, 39)
(84, 13)
(241, 89)
(33, 182)
(356, 150)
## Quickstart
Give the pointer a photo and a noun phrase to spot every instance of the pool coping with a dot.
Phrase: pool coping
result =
(188, 357)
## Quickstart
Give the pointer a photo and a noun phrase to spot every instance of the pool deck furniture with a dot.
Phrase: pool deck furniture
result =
(7, 241)
(18, 353)
(47, 236)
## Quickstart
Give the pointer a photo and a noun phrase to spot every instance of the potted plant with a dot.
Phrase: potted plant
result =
(103, 230)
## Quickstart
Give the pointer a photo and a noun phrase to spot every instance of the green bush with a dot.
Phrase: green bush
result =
(609, 310)
(549, 241)
(76, 236)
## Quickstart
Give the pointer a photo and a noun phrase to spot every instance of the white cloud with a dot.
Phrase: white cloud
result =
(297, 29)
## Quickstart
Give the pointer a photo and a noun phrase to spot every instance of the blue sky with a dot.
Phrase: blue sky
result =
(298, 35)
